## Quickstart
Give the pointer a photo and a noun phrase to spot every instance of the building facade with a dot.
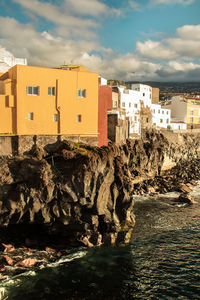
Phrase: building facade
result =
(38, 101)
(161, 117)
(185, 111)
(104, 105)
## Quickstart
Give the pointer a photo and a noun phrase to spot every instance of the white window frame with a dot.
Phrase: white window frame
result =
(51, 91)
(81, 93)
(32, 90)
(30, 116)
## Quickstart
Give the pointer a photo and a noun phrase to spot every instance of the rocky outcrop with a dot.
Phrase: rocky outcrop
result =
(71, 194)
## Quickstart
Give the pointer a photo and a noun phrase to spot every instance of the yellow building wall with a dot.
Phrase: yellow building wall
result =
(193, 113)
(6, 117)
(65, 103)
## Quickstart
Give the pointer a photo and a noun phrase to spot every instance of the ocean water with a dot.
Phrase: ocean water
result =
(161, 262)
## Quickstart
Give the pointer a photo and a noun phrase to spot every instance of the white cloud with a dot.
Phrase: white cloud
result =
(89, 8)
(189, 32)
(40, 48)
(182, 47)
(45, 49)
(66, 24)
(186, 43)
(135, 5)
(179, 70)
(155, 50)
(183, 66)
(183, 2)
(71, 18)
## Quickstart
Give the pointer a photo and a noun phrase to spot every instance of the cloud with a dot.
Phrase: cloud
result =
(89, 8)
(155, 50)
(186, 43)
(183, 2)
(45, 49)
(179, 71)
(134, 5)
(71, 18)
(66, 24)
(40, 48)
(189, 32)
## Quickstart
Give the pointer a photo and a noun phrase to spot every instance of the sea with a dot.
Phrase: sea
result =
(161, 262)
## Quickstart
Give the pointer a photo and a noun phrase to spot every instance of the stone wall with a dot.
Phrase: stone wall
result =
(19, 145)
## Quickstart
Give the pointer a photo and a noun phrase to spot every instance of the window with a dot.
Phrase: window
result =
(163, 112)
(191, 120)
(135, 105)
(167, 121)
(129, 104)
(154, 111)
(191, 112)
(78, 118)
(30, 116)
(135, 119)
(167, 112)
(143, 94)
(161, 120)
(51, 91)
(150, 96)
(55, 117)
(123, 104)
(32, 90)
(159, 111)
(81, 93)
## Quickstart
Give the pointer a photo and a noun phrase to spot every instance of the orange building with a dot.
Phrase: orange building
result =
(46, 101)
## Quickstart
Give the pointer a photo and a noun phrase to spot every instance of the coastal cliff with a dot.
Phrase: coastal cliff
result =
(74, 194)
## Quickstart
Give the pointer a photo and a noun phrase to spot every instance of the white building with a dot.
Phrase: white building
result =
(7, 60)
(178, 125)
(144, 93)
(102, 81)
(160, 116)
(131, 100)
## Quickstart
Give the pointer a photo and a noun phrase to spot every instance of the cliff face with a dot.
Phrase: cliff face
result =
(81, 194)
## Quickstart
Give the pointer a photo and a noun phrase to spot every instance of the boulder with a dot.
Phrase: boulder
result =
(186, 198)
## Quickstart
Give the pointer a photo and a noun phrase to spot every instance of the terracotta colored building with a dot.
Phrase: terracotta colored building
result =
(105, 104)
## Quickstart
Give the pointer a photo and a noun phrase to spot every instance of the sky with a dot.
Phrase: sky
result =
(129, 40)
